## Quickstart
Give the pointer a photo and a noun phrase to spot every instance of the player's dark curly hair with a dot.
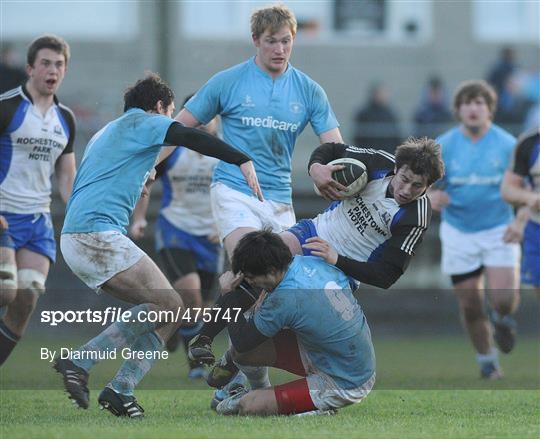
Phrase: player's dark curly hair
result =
(260, 253)
(422, 156)
(146, 93)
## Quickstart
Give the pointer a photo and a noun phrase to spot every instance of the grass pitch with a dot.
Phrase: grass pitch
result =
(422, 391)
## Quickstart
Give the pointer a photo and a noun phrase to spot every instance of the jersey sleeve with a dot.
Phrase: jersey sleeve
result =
(206, 103)
(69, 119)
(408, 228)
(522, 155)
(276, 312)
(155, 129)
(378, 163)
(8, 108)
(322, 116)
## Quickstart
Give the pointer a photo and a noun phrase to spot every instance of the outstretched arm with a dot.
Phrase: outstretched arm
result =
(206, 144)
(380, 274)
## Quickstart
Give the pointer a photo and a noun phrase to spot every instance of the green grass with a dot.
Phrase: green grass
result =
(421, 391)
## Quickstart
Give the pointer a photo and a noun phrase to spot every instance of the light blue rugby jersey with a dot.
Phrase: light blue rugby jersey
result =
(315, 301)
(262, 118)
(115, 166)
(473, 177)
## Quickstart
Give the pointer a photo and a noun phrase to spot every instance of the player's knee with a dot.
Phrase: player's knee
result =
(8, 292)
(171, 301)
(473, 312)
(32, 281)
(192, 298)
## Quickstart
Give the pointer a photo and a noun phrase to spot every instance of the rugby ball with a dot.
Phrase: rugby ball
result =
(353, 175)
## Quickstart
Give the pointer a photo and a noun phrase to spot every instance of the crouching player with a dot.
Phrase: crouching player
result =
(116, 164)
(308, 323)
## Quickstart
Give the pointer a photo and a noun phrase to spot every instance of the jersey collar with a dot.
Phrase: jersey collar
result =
(27, 96)
(266, 74)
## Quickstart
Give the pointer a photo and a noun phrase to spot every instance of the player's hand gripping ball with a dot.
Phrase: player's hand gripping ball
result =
(354, 175)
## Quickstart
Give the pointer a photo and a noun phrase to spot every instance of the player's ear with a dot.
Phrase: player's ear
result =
(256, 40)
(159, 107)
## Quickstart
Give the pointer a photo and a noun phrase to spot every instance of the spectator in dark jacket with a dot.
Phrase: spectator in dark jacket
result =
(376, 125)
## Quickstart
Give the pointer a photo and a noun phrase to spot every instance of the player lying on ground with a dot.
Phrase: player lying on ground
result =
(308, 323)
(370, 237)
(115, 166)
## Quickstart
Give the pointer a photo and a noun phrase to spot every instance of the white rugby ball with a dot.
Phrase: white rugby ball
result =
(354, 175)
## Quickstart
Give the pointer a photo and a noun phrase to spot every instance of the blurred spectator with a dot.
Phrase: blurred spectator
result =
(532, 92)
(533, 118)
(376, 125)
(11, 74)
(432, 116)
(503, 68)
(513, 105)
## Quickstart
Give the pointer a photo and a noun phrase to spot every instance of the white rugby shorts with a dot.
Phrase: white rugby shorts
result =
(233, 209)
(466, 252)
(96, 257)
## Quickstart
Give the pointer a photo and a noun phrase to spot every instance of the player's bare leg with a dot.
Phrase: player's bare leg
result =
(32, 271)
(144, 283)
(258, 401)
(189, 288)
(504, 298)
(8, 275)
(146, 286)
(470, 295)
(232, 239)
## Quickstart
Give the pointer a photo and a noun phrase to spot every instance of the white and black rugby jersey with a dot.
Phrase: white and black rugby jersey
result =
(30, 144)
(372, 226)
(186, 176)
(526, 163)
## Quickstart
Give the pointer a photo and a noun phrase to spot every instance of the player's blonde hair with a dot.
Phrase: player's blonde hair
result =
(272, 18)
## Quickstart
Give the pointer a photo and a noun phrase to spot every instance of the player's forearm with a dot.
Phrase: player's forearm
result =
(378, 274)
(139, 213)
(204, 143)
(326, 153)
(518, 196)
(65, 175)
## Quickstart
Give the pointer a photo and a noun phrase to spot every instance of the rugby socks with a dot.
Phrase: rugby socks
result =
(133, 370)
(491, 357)
(256, 375)
(243, 297)
(8, 341)
(117, 335)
